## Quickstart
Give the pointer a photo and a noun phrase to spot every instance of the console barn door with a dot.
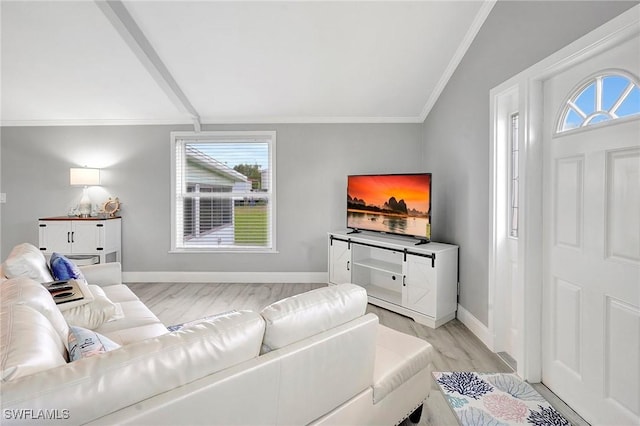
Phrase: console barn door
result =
(591, 237)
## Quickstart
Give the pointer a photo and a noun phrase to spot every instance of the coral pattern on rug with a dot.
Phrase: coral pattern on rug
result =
(496, 399)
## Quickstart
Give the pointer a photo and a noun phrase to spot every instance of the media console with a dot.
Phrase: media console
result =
(420, 282)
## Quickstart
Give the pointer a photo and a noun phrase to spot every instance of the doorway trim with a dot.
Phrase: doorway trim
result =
(529, 85)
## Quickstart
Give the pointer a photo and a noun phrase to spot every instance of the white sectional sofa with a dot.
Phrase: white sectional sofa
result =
(315, 358)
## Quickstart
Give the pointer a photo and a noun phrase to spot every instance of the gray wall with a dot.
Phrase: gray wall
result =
(515, 36)
(312, 163)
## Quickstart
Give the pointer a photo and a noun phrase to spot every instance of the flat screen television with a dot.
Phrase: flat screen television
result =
(390, 203)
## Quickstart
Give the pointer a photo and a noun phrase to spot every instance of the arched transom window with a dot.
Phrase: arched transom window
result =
(608, 96)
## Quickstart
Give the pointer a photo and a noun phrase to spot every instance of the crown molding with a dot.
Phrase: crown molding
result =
(477, 23)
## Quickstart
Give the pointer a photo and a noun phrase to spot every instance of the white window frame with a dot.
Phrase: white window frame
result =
(587, 123)
(180, 137)
(514, 175)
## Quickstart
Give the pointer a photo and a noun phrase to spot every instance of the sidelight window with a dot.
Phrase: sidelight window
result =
(514, 176)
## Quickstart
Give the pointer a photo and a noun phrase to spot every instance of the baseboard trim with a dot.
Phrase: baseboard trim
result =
(476, 327)
(225, 277)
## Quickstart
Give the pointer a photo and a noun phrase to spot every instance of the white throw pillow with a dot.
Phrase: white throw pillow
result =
(93, 314)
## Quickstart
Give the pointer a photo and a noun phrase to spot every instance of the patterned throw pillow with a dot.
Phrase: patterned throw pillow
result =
(63, 268)
(84, 343)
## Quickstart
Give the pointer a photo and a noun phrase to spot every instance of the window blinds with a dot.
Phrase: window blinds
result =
(224, 193)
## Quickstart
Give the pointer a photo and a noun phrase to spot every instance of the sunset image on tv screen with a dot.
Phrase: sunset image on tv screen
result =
(396, 204)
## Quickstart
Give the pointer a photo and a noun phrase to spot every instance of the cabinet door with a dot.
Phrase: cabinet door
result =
(419, 285)
(87, 237)
(55, 236)
(339, 262)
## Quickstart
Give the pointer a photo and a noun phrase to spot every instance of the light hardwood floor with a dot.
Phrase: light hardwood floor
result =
(456, 348)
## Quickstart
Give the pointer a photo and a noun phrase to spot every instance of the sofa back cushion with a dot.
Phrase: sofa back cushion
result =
(26, 260)
(25, 291)
(28, 343)
(307, 314)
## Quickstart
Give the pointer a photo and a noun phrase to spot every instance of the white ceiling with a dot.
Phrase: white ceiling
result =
(229, 62)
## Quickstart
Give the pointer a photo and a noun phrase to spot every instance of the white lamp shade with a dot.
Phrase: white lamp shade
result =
(84, 176)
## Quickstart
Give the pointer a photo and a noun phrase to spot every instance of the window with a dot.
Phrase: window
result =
(609, 96)
(223, 191)
(514, 176)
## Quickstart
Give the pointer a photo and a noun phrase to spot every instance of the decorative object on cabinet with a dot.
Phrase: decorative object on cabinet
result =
(85, 177)
(90, 236)
(111, 207)
(420, 282)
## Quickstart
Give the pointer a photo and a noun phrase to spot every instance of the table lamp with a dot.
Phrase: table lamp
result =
(84, 176)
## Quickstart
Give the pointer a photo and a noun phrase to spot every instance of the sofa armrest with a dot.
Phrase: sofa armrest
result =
(96, 386)
(103, 274)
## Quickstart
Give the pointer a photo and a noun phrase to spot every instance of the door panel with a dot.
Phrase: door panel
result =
(340, 262)
(569, 193)
(419, 288)
(622, 354)
(567, 308)
(87, 237)
(56, 237)
(623, 205)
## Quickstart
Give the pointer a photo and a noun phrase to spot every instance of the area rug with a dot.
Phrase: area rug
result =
(495, 399)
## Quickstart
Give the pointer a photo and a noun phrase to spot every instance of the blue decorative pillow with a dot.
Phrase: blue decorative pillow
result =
(64, 269)
(84, 343)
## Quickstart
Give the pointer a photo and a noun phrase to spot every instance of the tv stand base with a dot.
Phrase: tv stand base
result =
(419, 282)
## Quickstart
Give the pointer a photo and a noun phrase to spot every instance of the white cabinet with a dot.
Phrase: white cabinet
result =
(417, 281)
(81, 236)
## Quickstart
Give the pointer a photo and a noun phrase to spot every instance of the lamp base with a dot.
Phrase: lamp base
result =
(84, 208)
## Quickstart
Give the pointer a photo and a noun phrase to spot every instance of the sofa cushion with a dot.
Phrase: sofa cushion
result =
(103, 274)
(25, 291)
(126, 336)
(178, 327)
(84, 343)
(138, 323)
(26, 260)
(119, 293)
(28, 343)
(399, 357)
(95, 313)
(64, 269)
(307, 314)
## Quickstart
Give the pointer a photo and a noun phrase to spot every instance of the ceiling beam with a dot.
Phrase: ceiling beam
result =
(123, 22)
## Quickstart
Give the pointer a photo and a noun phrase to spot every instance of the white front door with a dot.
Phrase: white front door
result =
(591, 239)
